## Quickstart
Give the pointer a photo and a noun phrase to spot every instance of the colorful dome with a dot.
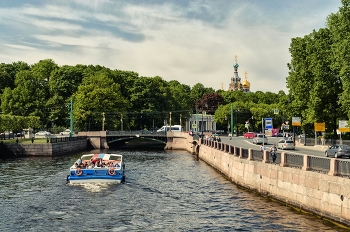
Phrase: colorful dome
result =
(246, 84)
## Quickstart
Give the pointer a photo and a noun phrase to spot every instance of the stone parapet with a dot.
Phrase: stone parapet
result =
(322, 194)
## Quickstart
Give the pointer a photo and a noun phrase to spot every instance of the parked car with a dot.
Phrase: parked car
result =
(338, 151)
(285, 144)
(42, 133)
(249, 135)
(66, 132)
(260, 139)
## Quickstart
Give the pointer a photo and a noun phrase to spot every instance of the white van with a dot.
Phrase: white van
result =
(173, 128)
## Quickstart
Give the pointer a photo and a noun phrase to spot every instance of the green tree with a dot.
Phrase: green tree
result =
(95, 95)
(314, 86)
(339, 26)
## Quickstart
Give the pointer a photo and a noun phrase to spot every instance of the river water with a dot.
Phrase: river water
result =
(164, 191)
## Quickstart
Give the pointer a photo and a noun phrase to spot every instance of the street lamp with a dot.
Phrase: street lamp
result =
(103, 121)
(202, 124)
(121, 122)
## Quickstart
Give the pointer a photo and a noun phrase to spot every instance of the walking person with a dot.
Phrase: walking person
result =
(273, 150)
(322, 140)
(262, 149)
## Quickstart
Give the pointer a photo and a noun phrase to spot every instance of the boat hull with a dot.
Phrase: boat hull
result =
(82, 180)
(107, 168)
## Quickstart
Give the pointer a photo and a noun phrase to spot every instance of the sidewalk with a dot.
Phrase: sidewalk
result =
(313, 147)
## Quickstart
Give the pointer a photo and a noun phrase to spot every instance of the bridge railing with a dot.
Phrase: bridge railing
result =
(137, 132)
(284, 159)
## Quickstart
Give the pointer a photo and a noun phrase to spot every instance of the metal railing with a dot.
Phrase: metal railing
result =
(343, 168)
(65, 139)
(315, 164)
(257, 155)
(319, 164)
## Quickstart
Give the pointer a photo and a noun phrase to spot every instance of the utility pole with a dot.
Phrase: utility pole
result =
(121, 122)
(71, 118)
(196, 120)
(103, 121)
(232, 119)
(170, 121)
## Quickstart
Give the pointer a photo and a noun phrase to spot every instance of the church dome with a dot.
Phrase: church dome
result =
(246, 84)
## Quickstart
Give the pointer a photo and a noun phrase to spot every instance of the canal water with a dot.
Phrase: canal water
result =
(164, 191)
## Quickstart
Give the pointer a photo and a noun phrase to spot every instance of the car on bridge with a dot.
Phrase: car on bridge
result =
(66, 132)
(42, 133)
(260, 139)
(286, 144)
(338, 151)
(249, 135)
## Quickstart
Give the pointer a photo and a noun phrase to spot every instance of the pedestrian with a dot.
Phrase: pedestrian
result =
(322, 140)
(273, 150)
(262, 149)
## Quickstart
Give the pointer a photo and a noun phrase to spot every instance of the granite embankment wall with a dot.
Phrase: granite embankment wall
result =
(325, 195)
(181, 141)
(43, 149)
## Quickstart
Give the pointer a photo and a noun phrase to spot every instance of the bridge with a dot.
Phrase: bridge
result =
(129, 139)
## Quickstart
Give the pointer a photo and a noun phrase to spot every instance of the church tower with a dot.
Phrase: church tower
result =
(246, 83)
(236, 80)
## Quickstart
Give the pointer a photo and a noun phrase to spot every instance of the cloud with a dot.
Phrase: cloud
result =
(189, 41)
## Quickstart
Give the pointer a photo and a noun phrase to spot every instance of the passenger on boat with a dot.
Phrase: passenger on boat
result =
(91, 165)
(117, 165)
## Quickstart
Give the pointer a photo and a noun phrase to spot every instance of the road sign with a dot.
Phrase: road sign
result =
(343, 126)
(268, 123)
(296, 121)
(320, 126)
(276, 111)
(194, 126)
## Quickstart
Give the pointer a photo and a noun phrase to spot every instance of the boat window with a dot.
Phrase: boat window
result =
(86, 157)
(113, 157)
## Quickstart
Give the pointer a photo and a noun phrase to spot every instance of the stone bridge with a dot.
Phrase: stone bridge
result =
(130, 139)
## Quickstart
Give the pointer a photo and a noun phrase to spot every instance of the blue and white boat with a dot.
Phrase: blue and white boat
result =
(98, 168)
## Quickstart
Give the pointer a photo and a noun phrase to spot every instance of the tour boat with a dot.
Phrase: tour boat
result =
(98, 168)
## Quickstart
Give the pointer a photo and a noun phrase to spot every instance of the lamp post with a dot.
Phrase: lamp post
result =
(232, 119)
(170, 121)
(196, 120)
(71, 118)
(103, 121)
(121, 122)
(202, 124)
(180, 120)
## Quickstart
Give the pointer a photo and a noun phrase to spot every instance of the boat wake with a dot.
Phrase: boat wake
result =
(93, 187)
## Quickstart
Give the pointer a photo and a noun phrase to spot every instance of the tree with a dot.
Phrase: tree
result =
(314, 86)
(210, 102)
(97, 94)
(339, 26)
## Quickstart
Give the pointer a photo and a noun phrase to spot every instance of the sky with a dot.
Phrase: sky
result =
(191, 41)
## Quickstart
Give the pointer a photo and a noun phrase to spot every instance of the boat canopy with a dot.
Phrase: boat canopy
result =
(113, 157)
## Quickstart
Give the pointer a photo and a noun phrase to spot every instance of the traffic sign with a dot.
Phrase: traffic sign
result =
(343, 126)
(268, 123)
(194, 126)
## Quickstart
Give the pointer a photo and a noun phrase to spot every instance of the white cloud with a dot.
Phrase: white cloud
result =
(193, 44)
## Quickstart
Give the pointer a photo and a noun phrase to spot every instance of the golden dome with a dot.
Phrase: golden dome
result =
(246, 84)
